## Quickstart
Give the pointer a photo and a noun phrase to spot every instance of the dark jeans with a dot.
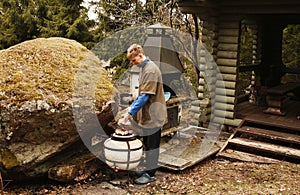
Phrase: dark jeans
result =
(151, 143)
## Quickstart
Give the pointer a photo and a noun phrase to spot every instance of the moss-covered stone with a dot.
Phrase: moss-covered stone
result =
(44, 69)
(41, 82)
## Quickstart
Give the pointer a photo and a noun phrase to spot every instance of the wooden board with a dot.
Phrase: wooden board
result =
(247, 157)
(274, 135)
(191, 145)
(266, 147)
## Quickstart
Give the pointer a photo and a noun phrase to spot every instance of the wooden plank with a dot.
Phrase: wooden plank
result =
(266, 147)
(274, 135)
(274, 121)
(246, 157)
(172, 162)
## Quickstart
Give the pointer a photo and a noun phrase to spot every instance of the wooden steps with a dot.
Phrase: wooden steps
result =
(255, 141)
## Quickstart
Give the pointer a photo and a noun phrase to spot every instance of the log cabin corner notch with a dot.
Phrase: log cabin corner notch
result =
(223, 23)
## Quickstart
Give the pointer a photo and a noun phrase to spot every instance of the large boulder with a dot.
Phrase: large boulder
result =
(42, 83)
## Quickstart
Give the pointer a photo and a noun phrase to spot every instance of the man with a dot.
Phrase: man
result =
(150, 108)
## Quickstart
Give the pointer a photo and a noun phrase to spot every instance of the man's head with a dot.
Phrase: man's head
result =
(136, 54)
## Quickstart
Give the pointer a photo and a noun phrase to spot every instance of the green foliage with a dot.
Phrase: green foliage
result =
(18, 22)
(291, 51)
(24, 20)
(121, 64)
(245, 57)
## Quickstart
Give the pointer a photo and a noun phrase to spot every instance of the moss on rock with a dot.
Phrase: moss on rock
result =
(45, 69)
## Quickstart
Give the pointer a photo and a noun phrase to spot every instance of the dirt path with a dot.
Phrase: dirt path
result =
(209, 177)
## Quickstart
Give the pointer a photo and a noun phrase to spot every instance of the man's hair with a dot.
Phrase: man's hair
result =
(134, 50)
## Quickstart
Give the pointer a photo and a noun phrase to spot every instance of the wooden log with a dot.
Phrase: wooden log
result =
(201, 95)
(201, 103)
(230, 122)
(229, 25)
(201, 81)
(227, 54)
(223, 113)
(227, 62)
(195, 103)
(222, 91)
(226, 84)
(228, 47)
(195, 109)
(224, 106)
(225, 99)
(227, 69)
(266, 147)
(229, 32)
(226, 77)
(228, 39)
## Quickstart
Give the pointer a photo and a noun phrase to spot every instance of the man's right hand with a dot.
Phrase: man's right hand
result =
(124, 121)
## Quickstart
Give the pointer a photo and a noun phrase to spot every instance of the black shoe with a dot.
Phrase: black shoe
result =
(144, 179)
(140, 173)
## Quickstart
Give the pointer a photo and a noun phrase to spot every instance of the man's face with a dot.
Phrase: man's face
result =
(137, 59)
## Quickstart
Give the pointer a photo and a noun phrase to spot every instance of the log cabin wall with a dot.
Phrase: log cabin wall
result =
(227, 61)
(207, 77)
(221, 35)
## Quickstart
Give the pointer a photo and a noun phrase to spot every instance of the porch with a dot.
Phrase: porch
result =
(256, 113)
(265, 138)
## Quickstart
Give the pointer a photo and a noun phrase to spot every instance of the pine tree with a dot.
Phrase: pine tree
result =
(18, 22)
